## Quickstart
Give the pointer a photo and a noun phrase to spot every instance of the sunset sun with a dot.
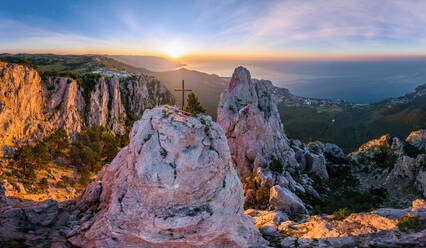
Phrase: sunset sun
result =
(175, 49)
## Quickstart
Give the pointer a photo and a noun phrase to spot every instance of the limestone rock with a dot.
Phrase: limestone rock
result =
(334, 151)
(116, 112)
(32, 108)
(357, 230)
(311, 158)
(21, 96)
(173, 186)
(249, 116)
(144, 92)
(283, 199)
(99, 99)
(264, 217)
(43, 213)
(417, 138)
(63, 103)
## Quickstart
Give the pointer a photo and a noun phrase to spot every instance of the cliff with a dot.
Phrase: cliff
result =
(32, 108)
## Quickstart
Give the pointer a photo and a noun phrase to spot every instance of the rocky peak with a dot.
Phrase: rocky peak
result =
(174, 185)
(251, 122)
(262, 154)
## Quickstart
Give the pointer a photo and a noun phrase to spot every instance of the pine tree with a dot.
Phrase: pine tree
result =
(194, 106)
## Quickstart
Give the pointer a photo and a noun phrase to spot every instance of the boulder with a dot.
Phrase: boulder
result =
(283, 199)
(417, 138)
(334, 152)
(42, 213)
(316, 164)
(174, 185)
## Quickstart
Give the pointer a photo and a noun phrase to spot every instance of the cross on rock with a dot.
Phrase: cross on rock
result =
(183, 93)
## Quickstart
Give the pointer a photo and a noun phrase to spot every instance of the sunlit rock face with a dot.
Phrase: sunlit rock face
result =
(394, 165)
(379, 228)
(20, 100)
(31, 109)
(249, 116)
(417, 138)
(173, 186)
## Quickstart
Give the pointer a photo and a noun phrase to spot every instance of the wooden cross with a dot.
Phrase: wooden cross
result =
(183, 92)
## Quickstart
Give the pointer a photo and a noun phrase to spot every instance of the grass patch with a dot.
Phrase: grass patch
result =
(409, 223)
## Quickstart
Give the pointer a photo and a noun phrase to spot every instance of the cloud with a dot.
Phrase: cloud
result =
(235, 26)
(17, 36)
(334, 22)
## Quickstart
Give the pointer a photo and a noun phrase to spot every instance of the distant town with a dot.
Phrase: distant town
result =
(121, 74)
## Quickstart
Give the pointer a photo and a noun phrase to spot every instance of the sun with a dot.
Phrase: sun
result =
(175, 49)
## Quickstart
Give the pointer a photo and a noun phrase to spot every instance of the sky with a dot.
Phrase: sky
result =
(214, 28)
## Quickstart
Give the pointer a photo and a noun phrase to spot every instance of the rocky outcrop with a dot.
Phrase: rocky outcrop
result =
(417, 139)
(358, 230)
(31, 108)
(394, 165)
(283, 199)
(21, 118)
(63, 104)
(99, 99)
(265, 159)
(173, 186)
(106, 108)
(144, 92)
(311, 157)
(248, 115)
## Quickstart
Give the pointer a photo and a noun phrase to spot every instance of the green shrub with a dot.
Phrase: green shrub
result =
(193, 105)
(64, 182)
(276, 165)
(262, 197)
(43, 184)
(384, 159)
(94, 147)
(412, 151)
(341, 214)
(407, 223)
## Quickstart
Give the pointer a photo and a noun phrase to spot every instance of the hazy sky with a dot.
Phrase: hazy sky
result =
(229, 27)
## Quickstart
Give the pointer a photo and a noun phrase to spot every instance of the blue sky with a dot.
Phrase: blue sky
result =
(229, 27)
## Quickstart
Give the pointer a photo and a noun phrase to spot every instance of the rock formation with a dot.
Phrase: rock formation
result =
(21, 118)
(417, 139)
(262, 154)
(32, 108)
(248, 115)
(394, 165)
(379, 228)
(174, 185)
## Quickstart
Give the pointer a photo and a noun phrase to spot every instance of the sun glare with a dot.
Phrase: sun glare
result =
(175, 50)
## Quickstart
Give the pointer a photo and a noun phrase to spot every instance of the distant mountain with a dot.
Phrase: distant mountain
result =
(149, 62)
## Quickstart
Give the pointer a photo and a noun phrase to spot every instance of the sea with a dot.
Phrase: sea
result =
(359, 82)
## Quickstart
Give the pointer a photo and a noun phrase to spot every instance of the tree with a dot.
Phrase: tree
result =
(194, 106)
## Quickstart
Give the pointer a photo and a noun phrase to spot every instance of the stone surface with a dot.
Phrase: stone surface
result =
(417, 138)
(173, 186)
(357, 230)
(283, 199)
